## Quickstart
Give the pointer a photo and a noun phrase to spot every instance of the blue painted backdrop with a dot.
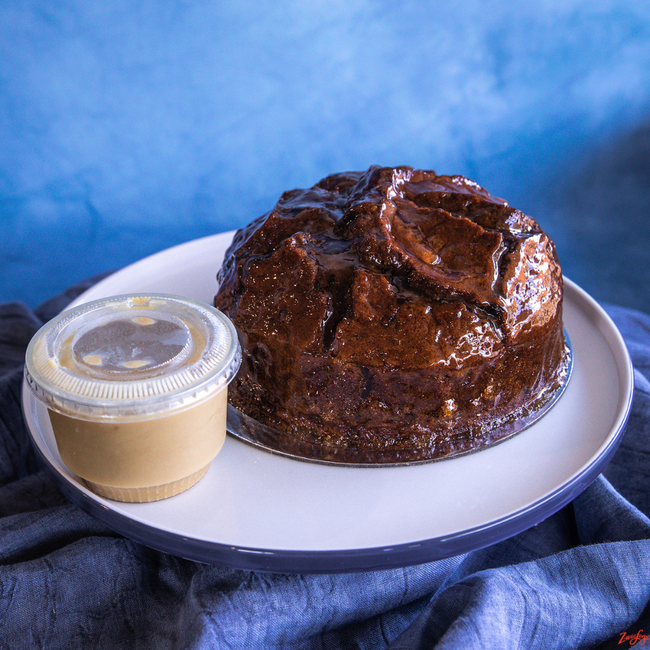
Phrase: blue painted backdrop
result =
(127, 127)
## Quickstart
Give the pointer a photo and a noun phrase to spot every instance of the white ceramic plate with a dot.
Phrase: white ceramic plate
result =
(256, 510)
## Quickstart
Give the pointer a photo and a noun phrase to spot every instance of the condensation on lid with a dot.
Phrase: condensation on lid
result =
(132, 355)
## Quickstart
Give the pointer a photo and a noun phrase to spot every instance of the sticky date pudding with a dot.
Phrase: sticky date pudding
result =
(393, 315)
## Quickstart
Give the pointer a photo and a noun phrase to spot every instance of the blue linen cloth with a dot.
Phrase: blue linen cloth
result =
(579, 579)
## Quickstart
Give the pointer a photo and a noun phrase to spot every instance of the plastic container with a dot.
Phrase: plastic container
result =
(136, 390)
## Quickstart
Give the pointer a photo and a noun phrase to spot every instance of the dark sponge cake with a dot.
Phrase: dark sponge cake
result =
(393, 315)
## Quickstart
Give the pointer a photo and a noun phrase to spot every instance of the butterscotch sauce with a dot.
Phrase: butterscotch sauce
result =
(136, 391)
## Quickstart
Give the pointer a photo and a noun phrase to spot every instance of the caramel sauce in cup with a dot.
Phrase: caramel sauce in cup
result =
(136, 390)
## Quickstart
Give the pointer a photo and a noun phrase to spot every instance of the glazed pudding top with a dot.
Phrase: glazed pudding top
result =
(361, 255)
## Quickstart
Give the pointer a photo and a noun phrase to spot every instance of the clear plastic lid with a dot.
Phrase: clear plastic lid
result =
(132, 356)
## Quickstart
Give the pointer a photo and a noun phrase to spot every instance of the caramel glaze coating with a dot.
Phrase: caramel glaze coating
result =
(393, 315)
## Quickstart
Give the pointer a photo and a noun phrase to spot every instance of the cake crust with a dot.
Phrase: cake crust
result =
(393, 315)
